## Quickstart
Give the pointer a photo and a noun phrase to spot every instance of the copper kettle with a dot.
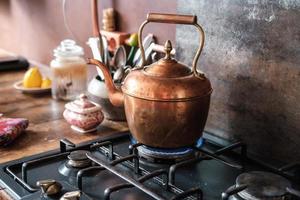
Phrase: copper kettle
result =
(166, 103)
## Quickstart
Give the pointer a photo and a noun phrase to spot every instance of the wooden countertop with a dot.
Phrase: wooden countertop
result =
(46, 123)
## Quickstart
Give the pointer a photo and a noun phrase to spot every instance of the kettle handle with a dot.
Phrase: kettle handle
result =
(174, 19)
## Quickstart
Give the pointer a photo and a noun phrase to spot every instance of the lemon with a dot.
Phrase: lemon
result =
(46, 83)
(32, 78)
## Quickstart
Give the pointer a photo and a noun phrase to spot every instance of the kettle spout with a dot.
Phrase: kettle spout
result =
(115, 95)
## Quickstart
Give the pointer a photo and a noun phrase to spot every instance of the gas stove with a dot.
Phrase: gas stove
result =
(118, 167)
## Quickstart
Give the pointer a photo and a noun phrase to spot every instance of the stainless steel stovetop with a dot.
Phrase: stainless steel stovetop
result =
(116, 167)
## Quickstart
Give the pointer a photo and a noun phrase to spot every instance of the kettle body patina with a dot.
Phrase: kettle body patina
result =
(167, 102)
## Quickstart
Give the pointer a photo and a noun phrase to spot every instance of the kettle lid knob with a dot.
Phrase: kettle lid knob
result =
(168, 49)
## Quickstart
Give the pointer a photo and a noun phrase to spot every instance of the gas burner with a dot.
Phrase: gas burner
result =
(124, 172)
(76, 161)
(160, 155)
(259, 185)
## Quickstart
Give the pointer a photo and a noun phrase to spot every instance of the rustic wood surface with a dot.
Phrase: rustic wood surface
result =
(46, 123)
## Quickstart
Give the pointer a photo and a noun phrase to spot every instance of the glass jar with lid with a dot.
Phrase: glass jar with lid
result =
(69, 71)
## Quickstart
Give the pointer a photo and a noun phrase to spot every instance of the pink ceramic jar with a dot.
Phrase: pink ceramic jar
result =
(83, 115)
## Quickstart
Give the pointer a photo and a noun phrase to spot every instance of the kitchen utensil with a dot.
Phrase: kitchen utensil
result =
(93, 43)
(19, 86)
(96, 29)
(120, 62)
(148, 52)
(148, 40)
(119, 74)
(133, 43)
(154, 57)
(98, 46)
(127, 69)
(120, 57)
(151, 55)
(83, 115)
(166, 103)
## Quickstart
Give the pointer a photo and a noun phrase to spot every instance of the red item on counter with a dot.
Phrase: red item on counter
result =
(11, 128)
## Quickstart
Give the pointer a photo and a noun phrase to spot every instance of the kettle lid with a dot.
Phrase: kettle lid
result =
(168, 67)
(166, 80)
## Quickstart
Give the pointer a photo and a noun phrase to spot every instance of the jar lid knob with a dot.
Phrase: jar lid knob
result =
(168, 49)
(82, 96)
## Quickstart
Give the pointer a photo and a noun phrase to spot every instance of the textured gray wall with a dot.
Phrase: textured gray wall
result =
(252, 57)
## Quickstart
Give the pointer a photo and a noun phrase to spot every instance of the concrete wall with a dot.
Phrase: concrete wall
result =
(252, 57)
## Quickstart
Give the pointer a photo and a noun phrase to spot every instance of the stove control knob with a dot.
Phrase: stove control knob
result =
(49, 187)
(74, 195)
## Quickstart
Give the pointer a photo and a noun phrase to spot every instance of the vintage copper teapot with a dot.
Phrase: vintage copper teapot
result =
(166, 103)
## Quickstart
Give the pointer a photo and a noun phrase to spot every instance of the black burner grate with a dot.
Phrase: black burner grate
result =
(104, 157)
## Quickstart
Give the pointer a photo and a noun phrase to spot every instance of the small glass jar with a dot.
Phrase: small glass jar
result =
(69, 71)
